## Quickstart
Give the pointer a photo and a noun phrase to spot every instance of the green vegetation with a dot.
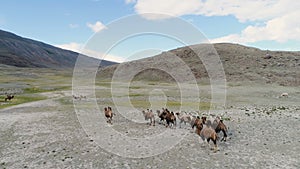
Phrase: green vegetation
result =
(49, 89)
(226, 118)
(152, 83)
(104, 84)
(135, 94)
(34, 90)
(26, 83)
(135, 87)
(19, 100)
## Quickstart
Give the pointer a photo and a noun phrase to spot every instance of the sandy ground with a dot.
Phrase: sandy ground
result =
(47, 134)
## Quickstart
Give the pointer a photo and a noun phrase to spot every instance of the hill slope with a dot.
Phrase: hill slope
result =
(23, 52)
(240, 63)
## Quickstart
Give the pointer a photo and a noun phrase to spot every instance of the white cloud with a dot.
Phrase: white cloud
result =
(172, 8)
(278, 20)
(76, 47)
(97, 27)
(246, 10)
(280, 29)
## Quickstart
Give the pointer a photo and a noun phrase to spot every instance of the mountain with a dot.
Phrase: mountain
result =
(240, 63)
(22, 52)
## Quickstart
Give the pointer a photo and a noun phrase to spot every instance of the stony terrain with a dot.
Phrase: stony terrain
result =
(47, 134)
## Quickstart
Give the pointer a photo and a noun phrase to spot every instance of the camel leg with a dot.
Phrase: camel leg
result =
(224, 135)
(207, 141)
(202, 142)
(215, 143)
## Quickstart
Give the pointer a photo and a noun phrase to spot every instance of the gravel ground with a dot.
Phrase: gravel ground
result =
(48, 134)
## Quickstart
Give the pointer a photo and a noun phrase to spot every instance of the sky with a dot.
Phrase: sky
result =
(71, 24)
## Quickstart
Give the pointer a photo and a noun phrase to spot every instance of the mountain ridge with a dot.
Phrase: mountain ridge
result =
(240, 63)
(24, 52)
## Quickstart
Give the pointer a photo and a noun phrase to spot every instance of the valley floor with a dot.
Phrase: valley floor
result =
(264, 133)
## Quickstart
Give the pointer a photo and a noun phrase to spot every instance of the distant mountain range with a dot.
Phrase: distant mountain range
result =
(22, 52)
(240, 63)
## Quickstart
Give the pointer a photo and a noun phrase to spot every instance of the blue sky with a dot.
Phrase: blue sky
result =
(266, 24)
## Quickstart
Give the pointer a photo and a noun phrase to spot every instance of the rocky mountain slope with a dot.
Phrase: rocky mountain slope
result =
(240, 63)
(23, 52)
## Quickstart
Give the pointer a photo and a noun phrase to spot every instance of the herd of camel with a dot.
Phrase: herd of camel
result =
(206, 128)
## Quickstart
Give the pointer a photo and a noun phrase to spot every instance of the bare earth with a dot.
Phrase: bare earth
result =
(47, 134)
